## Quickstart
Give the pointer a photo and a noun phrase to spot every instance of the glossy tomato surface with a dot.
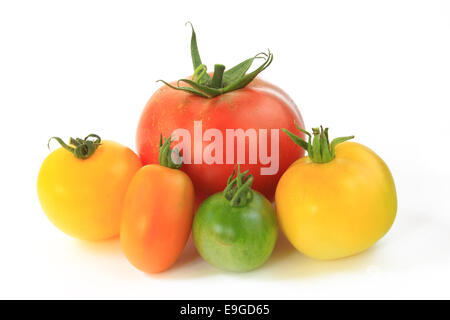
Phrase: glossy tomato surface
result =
(84, 198)
(340, 208)
(260, 105)
(235, 238)
(157, 217)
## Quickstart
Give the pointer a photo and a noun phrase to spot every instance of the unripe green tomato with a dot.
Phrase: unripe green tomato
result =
(235, 238)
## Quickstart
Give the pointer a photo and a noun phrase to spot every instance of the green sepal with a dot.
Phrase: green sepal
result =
(165, 154)
(222, 81)
(202, 89)
(239, 70)
(187, 89)
(195, 54)
(245, 80)
(324, 146)
(336, 141)
(297, 140)
(320, 150)
(200, 73)
(62, 143)
(80, 148)
(239, 189)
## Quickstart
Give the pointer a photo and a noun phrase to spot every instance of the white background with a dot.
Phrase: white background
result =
(376, 69)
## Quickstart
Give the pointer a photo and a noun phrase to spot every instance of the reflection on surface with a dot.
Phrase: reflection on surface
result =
(285, 263)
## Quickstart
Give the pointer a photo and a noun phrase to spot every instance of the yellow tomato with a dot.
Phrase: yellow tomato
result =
(84, 197)
(339, 207)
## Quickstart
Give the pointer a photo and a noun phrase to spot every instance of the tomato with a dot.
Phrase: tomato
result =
(81, 187)
(236, 230)
(157, 215)
(255, 105)
(336, 202)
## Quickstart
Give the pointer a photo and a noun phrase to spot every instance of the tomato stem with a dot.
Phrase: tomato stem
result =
(201, 84)
(238, 190)
(166, 154)
(80, 148)
(320, 150)
(216, 81)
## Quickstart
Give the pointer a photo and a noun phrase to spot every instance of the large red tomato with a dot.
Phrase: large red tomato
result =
(251, 103)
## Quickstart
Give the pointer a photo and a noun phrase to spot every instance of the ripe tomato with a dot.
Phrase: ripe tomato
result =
(336, 205)
(236, 230)
(157, 215)
(82, 192)
(246, 103)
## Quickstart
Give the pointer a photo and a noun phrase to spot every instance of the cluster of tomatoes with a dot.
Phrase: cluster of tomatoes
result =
(337, 201)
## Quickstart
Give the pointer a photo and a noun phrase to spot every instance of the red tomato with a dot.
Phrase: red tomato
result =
(259, 105)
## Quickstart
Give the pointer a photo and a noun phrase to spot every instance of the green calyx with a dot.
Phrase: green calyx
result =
(320, 150)
(166, 153)
(239, 189)
(222, 81)
(80, 148)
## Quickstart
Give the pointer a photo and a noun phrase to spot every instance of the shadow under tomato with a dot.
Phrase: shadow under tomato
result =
(287, 263)
(189, 265)
(188, 256)
(109, 247)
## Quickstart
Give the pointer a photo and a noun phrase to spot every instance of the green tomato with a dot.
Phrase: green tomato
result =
(235, 238)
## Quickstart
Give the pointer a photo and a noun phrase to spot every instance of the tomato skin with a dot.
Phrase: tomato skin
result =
(260, 105)
(84, 198)
(157, 217)
(235, 238)
(340, 208)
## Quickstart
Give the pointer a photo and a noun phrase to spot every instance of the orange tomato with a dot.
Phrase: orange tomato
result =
(157, 217)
